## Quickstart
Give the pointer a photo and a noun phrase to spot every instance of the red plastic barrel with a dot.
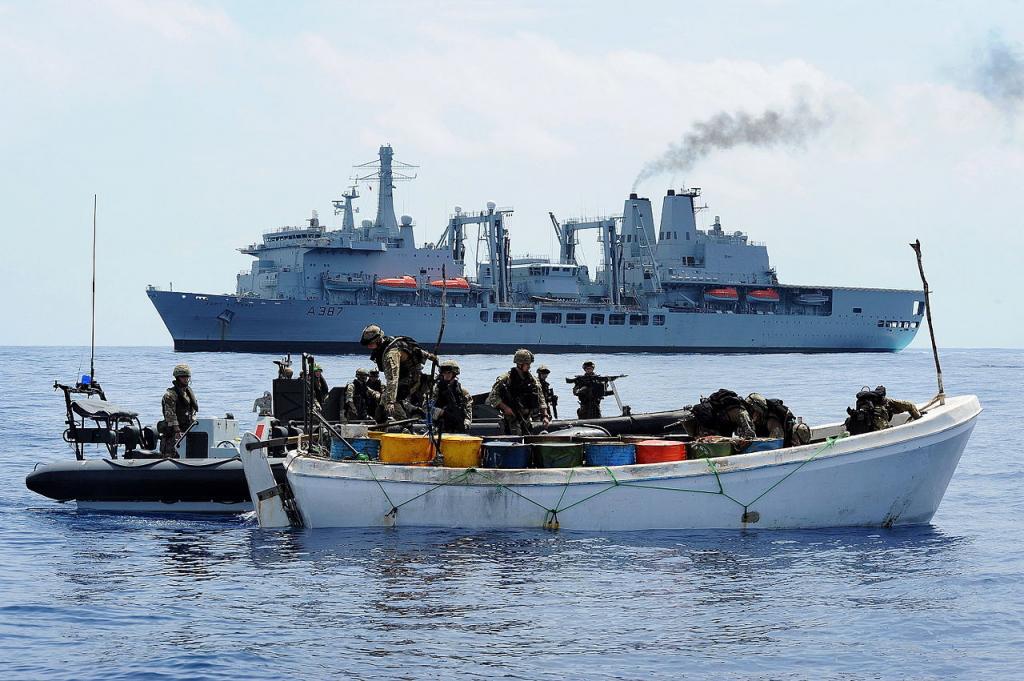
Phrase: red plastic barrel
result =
(660, 451)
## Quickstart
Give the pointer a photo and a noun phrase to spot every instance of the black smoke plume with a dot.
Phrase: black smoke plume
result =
(725, 131)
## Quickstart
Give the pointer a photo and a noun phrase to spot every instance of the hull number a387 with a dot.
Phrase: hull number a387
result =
(324, 311)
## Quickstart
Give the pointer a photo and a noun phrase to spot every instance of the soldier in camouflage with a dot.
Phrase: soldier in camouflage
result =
(590, 389)
(376, 387)
(401, 360)
(359, 396)
(179, 406)
(517, 395)
(772, 418)
(320, 389)
(549, 392)
(874, 411)
(722, 413)
(453, 405)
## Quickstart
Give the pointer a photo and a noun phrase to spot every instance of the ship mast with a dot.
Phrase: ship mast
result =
(92, 351)
(344, 206)
(385, 177)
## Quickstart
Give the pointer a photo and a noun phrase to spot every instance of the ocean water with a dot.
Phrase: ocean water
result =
(104, 596)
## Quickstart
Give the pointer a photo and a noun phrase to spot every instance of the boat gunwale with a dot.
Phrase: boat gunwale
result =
(316, 467)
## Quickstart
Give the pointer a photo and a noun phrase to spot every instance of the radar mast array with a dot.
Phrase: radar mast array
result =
(385, 177)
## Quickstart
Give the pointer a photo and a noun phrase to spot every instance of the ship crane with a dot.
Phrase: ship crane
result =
(494, 232)
(607, 235)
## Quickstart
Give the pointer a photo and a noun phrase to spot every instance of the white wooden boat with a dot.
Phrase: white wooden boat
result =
(888, 478)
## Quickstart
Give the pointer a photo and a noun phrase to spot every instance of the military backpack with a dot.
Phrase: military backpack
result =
(712, 411)
(868, 413)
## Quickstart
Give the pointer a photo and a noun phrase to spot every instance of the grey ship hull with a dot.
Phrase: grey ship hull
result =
(859, 320)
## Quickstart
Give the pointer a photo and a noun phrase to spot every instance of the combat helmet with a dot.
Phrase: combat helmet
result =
(758, 400)
(588, 363)
(523, 356)
(362, 372)
(371, 334)
(182, 370)
(449, 365)
(375, 371)
(543, 369)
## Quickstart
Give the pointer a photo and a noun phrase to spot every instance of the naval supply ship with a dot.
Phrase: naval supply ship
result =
(674, 288)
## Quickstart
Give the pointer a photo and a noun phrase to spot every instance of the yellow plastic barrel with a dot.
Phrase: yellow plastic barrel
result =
(406, 449)
(461, 451)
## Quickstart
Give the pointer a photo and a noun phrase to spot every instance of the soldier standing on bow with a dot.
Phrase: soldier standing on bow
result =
(401, 360)
(180, 406)
(517, 395)
(590, 388)
(453, 405)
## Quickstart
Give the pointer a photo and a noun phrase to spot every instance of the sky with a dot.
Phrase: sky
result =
(200, 125)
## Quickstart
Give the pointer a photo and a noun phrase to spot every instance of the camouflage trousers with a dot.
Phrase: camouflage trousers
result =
(589, 410)
(167, 441)
(514, 425)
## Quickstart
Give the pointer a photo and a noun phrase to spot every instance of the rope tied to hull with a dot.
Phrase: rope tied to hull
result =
(551, 520)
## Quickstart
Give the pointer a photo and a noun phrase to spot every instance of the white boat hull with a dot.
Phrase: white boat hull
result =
(890, 478)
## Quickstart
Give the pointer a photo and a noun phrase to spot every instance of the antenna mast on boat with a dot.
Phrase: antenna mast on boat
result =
(941, 397)
(92, 351)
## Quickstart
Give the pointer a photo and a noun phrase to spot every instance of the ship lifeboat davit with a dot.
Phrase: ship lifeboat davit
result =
(812, 299)
(456, 286)
(405, 283)
(763, 295)
(725, 294)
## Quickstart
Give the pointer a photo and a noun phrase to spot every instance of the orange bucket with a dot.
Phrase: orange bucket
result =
(660, 451)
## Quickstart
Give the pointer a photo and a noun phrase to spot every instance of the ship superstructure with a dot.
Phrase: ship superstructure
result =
(661, 287)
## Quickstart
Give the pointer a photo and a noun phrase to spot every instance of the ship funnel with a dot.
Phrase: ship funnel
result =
(678, 230)
(638, 229)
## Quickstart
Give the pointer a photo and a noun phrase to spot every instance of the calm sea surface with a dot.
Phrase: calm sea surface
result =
(86, 595)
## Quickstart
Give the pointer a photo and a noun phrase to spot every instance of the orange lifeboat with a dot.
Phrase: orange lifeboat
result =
(763, 295)
(725, 294)
(405, 283)
(455, 285)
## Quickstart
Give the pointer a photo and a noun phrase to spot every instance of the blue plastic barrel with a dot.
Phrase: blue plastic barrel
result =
(364, 445)
(505, 455)
(764, 444)
(610, 454)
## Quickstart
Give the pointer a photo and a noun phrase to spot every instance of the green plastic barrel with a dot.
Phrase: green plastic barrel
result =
(709, 448)
(559, 454)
